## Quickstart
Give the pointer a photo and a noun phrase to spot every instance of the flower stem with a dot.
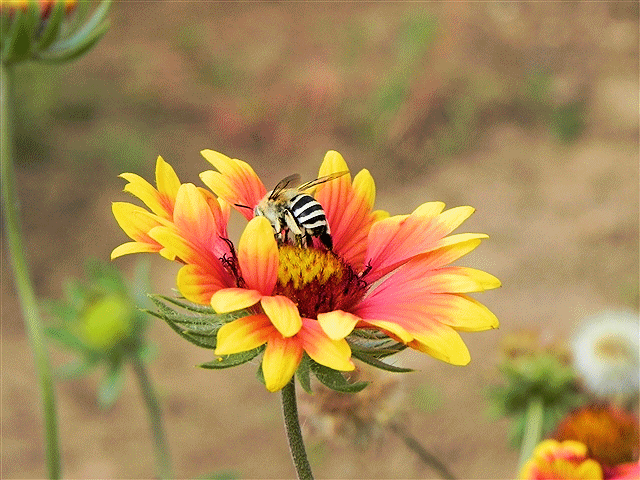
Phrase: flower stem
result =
(427, 457)
(294, 434)
(163, 461)
(26, 295)
(532, 429)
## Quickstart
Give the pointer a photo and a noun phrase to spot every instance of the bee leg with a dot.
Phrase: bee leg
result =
(326, 240)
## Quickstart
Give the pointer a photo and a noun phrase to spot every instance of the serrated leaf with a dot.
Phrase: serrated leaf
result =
(260, 375)
(374, 343)
(192, 307)
(205, 341)
(232, 360)
(53, 26)
(374, 362)
(196, 341)
(335, 380)
(110, 387)
(303, 373)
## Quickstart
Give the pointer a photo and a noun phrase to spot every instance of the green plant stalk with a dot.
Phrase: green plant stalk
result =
(294, 434)
(26, 295)
(532, 429)
(163, 461)
(427, 457)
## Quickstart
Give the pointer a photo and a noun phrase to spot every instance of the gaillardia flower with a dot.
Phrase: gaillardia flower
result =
(567, 460)
(386, 278)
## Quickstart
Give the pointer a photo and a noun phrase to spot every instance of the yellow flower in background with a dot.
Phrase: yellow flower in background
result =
(552, 460)
(386, 274)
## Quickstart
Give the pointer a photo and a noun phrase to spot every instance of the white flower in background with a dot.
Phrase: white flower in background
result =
(605, 353)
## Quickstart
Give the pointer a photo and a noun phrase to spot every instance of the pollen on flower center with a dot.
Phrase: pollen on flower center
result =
(317, 281)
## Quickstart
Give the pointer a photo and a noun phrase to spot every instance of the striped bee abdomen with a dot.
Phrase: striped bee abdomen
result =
(308, 213)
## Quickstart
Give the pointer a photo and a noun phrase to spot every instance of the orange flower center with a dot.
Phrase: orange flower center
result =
(318, 281)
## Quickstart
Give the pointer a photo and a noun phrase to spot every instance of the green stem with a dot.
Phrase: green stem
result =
(26, 295)
(163, 461)
(532, 429)
(294, 434)
(427, 457)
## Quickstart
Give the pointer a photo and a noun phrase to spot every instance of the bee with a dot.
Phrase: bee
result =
(296, 217)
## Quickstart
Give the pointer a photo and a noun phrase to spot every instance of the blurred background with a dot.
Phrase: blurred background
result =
(526, 111)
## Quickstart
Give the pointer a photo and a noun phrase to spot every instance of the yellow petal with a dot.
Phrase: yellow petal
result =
(392, 328)
(337, 324)
(135, 221)
(142, 189)
(198, 284)
(283, 313)
(258, 256)
(234, 299)
(429, 209)
(243, 334)
(334, 354)
(454, 217)
(192, 216)
(461, 280)
(332, 163)
(133, 247)
(166, 179)
(365, 187)
(379, 215)
(442, 343)
(462, 312)
(235, 181)
(281, 359)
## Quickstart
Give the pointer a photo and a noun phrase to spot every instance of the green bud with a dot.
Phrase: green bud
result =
(107, 322)
(42, 30)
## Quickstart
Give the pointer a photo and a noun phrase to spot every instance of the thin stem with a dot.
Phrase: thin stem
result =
(428, 458)
(294, 434)
(26, 295)
(163, 461)
(532, 429)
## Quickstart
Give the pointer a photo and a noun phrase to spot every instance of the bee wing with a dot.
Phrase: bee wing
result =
(284, 183)
(318, 181)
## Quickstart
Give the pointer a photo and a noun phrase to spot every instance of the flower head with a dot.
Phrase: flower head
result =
(567, 460)
(41, 30)
(610, 434)
(387, 279)
(605, 354)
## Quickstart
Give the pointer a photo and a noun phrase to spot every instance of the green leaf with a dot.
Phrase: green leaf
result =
(56, 54)
(96, 23)
(195, 340)
(374, 343)
(18, 45)
(303, 373)
(53, 26)
(335, 380)
(233, 360)
(111, 385)
(192, 307)
(374, 362)
(79, 16)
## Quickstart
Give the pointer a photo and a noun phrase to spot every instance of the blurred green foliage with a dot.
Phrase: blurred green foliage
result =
(542, 376)
(99, 321)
